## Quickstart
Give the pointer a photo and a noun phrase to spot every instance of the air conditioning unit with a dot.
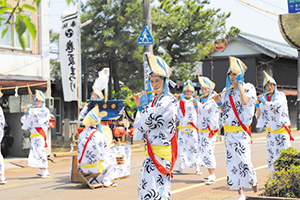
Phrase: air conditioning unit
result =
(50, 103)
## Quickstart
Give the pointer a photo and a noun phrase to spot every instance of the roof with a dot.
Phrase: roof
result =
(266, 46)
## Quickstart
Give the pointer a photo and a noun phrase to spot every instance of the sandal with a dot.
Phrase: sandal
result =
(2, 182)
(113, 184)
(210, 182)
(38, 175)
(46, 176)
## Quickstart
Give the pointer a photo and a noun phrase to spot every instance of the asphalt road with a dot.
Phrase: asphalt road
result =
(185, 186)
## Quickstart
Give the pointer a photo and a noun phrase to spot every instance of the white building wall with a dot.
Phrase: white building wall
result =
(236, 48)
(26, 65)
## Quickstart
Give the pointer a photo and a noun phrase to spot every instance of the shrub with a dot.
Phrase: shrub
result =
(288, 157)
(285, 181)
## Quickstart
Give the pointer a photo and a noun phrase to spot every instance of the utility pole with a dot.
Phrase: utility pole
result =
(298, 92)
(147, 22)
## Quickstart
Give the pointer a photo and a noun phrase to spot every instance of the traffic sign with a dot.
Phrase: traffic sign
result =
(145, 37)
(294, 6)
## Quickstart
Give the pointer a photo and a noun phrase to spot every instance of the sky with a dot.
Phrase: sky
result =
(244, 17)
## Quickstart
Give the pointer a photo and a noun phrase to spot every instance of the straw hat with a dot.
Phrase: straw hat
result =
(268, 79)
(206, 82)
(93, 117)
(39, 95)
(289, 28)
(236, 64)
(158, 66)
(188, 86)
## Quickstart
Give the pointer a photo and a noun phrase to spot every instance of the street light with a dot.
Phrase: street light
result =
(85, 23)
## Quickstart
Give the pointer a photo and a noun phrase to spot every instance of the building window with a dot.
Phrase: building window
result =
(10, 39)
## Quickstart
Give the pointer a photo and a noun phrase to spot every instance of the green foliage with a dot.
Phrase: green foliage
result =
(122, 95)
(111, 38)
(23, 22)
(285, 181)
(289, 157)
(55, 72)
(182, 71)
(185, 30)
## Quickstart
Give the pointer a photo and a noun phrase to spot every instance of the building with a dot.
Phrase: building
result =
(19, 69)
(277, 59)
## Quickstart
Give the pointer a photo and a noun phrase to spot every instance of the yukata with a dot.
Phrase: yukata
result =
(275, 116)
(240, 171)
(37, 123)
(125, 150)
(2, 124)
(96, 157)
(83, 113)
(187, 135)
(208, 120)
(157, 122)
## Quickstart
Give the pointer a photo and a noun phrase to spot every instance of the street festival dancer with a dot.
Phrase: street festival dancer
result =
(208, 119)
(36, 121)
(156, 125)
(93, 154)
(2, 124)
(96, 95)
(272, 112)
(238, 106)
(187, 131)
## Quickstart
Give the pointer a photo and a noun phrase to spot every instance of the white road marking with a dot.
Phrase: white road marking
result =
(201, 184)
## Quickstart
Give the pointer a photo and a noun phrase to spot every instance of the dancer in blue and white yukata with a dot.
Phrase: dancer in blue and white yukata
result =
(272, 112)
(156, 125)
(208, 119)
(238, 106)
(188, 156)
(36, 121)
(2, 124)
(93, 154)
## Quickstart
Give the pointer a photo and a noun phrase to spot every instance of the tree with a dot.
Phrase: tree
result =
(23, 22)
(111, 39)
(185, 30)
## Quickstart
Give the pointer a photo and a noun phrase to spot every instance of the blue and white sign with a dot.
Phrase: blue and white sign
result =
(294, 6)
(145, 37)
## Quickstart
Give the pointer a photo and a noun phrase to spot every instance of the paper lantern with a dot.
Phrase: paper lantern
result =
(118, 131)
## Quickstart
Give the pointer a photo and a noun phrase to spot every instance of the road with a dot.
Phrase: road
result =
(185, 186)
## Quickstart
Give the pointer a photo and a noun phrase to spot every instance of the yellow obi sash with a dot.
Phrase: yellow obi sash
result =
(281, 130)
(232, 129)
(34, 135)
(186, 127)
(202, 130)
(96, 164)
(161, 151)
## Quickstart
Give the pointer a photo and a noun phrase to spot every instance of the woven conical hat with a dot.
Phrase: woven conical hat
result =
(236, 64)
(106, 131)
(290, 27)
(156, 68)
(205, 85)
(268, 79)
(189, 87)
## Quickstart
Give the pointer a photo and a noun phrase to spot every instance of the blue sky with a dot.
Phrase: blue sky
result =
(246, 18)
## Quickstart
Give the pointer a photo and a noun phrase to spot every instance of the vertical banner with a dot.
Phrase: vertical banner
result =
(69, 53)
(146, 70)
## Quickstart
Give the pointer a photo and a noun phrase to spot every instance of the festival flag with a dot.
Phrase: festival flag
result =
(69, 53)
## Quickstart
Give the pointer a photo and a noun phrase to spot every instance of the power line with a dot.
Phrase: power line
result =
(257, 7)
(256, 11)
(272, 5)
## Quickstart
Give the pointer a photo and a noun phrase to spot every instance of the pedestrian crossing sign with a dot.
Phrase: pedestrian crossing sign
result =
(145, 37)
